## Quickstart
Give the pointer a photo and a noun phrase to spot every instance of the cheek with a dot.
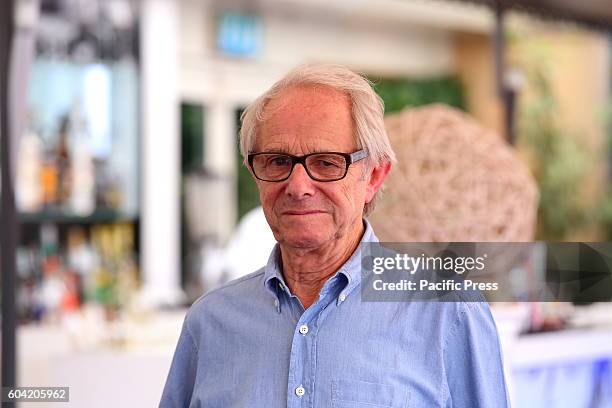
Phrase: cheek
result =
(268, 194)
(350, 196)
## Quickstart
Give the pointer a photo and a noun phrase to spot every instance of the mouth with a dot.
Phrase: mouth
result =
(303, 212)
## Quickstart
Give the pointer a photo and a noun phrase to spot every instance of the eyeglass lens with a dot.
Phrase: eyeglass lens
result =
(324, 166)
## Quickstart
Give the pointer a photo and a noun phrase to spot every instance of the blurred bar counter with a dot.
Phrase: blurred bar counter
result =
(120, 363)
(570, 368)
(565, 368)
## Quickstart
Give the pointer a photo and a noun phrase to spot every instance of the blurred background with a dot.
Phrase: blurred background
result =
(132, 200)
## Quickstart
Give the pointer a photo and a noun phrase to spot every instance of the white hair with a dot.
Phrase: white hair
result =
(367, 111)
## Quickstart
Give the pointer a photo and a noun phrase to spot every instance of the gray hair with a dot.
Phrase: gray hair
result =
(367, 111)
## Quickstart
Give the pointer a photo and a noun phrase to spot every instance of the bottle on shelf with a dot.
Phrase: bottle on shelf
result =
(83, 196)
(58, 278)
(29, 192)
(51, 288)
(49, 180)
(64, 163)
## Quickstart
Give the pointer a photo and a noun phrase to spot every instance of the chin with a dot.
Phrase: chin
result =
(304, 239)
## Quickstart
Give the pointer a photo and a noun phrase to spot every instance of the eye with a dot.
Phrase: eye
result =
(279, 161)
(325, 163)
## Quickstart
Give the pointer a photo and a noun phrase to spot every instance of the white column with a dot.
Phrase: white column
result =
(160, 161)
(220, 157)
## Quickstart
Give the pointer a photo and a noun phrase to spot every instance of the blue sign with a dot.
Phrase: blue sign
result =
(239, 34)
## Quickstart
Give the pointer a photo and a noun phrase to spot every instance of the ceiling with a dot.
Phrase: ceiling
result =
(592, 13)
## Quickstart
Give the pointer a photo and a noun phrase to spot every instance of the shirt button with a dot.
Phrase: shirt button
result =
(300, 391)
(303, 329)
(342, 297)
(276, 302)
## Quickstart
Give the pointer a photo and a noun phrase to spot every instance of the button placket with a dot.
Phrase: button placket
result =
(303, 364)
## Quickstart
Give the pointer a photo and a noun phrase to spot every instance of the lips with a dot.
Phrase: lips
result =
(302, 212)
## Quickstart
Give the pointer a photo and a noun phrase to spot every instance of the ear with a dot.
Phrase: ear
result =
(375, 180)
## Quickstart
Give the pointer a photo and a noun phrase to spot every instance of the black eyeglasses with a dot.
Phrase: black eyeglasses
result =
(328, 166)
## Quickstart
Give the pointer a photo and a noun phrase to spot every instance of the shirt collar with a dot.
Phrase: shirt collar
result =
(351, 269)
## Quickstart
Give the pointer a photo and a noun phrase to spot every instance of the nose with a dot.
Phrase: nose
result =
(299, 183)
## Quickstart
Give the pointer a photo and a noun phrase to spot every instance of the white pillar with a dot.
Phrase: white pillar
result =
(160, 160)
(220, 157)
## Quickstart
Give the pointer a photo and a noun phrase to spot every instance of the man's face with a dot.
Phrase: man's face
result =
(302, 212)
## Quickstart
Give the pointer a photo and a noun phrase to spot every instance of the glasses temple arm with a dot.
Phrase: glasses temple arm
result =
(359, 155)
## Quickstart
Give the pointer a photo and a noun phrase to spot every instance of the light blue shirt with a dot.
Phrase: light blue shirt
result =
(250, 343)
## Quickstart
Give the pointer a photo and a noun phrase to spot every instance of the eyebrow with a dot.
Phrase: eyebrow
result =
(285, 151)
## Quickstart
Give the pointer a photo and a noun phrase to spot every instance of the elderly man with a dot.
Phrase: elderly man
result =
(296, 333)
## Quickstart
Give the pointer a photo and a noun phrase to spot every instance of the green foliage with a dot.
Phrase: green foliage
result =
(248, 195)
(559, 163)
(400, 93)
(604, 212)
(192, 141)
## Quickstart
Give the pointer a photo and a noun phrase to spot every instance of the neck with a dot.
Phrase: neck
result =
(307, 269)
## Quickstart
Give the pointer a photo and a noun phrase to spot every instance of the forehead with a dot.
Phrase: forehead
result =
(305, 119)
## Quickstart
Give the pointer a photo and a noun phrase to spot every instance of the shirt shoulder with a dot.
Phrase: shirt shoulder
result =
(236, 287)
(473, 358)
(237, 293)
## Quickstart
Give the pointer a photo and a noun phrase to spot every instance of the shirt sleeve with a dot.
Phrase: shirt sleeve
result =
(179, 384)
(473, 360)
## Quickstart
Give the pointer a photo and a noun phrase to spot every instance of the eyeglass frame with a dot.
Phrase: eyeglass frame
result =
(350, 158)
